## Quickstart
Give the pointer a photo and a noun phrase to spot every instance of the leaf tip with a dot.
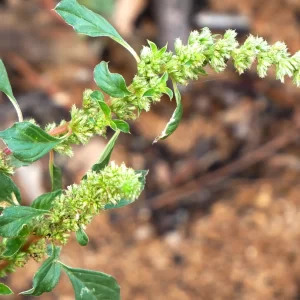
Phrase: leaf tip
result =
(156, 140)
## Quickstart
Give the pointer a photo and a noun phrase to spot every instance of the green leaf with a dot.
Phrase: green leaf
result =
(152, 92)
(45, 201)
(99, 98)
(162, 50)
(5, 87)
(168, 92)
(149, 93)
(92, 285)
(153, 46)
(112, 84)
(164, 78)
(15, 218)
(122, 126)
(106, 154)
(8, 190)
(97, 95)
(53, 250)
(113, 125)
(17, 163)
(5, 290)
(27, 141)
(162, 87)
(47, 277)
(103, 7)
(81, 237)
(176, 117)
(125, 202)
(13, 245)
(105, 108)
(86, 22)
(56, 178)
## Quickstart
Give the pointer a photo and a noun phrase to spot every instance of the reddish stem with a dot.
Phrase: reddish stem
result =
(7, 151)
(59, 130)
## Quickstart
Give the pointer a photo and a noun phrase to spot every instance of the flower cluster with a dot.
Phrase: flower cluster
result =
(36, 251)
(188, 62)
(19, 260)
(85, 123)
(5, 165)
(156, 66)
(77, 206)
(148, 85)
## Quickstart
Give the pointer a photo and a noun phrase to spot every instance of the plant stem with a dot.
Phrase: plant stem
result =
(59, 130)
(7, 151)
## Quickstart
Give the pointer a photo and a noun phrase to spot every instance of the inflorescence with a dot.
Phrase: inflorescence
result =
(79, 203)
(76, 207)
(188, 63)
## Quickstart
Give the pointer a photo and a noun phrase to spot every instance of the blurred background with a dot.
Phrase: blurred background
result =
(220, 215)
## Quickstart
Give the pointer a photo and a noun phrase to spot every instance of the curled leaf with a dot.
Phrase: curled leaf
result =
(112, 84)
(176, 117)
